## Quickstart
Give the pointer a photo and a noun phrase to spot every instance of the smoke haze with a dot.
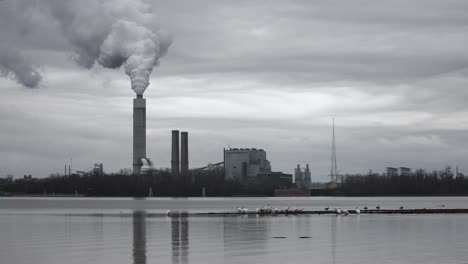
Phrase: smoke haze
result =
(15, 66)
(113, 33)
(394, 74)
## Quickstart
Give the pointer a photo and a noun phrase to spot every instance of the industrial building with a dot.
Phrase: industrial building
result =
(302, 177)
(404, 171)
(244, 163)
(392, 171)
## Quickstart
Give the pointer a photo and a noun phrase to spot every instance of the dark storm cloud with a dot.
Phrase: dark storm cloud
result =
(249, 74)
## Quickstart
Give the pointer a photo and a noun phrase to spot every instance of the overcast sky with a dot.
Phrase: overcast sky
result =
(264, 74)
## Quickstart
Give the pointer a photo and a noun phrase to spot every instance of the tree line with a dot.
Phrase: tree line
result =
(161, 183)
(420, 183)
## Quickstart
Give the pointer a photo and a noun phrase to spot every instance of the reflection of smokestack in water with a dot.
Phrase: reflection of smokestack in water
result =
(184, 162)
(180, 238)
(139, 132)
(175, 153)
(139, 237)
(175, 238)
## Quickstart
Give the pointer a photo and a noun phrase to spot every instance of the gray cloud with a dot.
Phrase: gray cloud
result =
(247, 74)
(14, 65)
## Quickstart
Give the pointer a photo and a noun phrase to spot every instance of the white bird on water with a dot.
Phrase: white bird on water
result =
(338, 211)
(242, 210)
(345, 212)
(357, 210)
(168, 212)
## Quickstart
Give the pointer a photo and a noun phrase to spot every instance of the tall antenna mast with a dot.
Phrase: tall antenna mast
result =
(334, 167)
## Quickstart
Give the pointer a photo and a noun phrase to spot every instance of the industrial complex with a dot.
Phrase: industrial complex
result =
(245, 162)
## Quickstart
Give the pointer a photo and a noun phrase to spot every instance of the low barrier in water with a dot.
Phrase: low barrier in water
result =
(351, 211)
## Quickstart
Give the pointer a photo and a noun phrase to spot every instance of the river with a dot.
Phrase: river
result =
(125, 230)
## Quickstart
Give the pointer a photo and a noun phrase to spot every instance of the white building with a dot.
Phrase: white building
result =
(242, 163)
(302, 177)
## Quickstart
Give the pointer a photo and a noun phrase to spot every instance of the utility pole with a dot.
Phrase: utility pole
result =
(334, 166)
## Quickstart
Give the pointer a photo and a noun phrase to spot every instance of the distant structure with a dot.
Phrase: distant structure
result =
(146, 166)
(175, 153)
(392, 171)
(334, 166)
(242, 163)
(302, 177)
(405, 171)
(139, 133)
(184, 157)
(96, 169)
(180, 157)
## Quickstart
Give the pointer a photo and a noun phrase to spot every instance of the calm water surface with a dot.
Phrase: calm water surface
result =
(61, 231)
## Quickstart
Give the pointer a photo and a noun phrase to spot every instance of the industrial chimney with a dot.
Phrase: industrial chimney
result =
(184, 166)
(139, 133)
(175, 153)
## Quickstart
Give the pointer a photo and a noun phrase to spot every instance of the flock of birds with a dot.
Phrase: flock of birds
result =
(293, 210)
(340, 211)
(270, 210)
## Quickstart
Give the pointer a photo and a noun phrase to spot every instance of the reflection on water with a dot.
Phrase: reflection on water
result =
(180, 237)
(139, 237)
(145, 238)
(333, 238)
(244, 233)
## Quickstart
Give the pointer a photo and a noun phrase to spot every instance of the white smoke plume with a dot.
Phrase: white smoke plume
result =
(113, 33)
(14, 65)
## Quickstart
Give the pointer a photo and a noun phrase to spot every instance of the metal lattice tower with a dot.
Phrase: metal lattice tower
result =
(334, 167)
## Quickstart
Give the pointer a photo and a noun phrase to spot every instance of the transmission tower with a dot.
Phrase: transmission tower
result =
(334, 167)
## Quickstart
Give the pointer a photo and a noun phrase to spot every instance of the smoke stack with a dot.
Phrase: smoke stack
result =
(184, 153)
(175, 153)
(139, 133)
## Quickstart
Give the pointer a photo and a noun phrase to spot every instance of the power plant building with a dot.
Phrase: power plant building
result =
(243, 163)
(404, 171)
(392, 171)
(302, 177)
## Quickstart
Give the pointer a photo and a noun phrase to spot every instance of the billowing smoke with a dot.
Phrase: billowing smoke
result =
(113, 33)
(15, 66)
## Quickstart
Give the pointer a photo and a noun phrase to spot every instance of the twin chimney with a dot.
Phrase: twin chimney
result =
(179, 163)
